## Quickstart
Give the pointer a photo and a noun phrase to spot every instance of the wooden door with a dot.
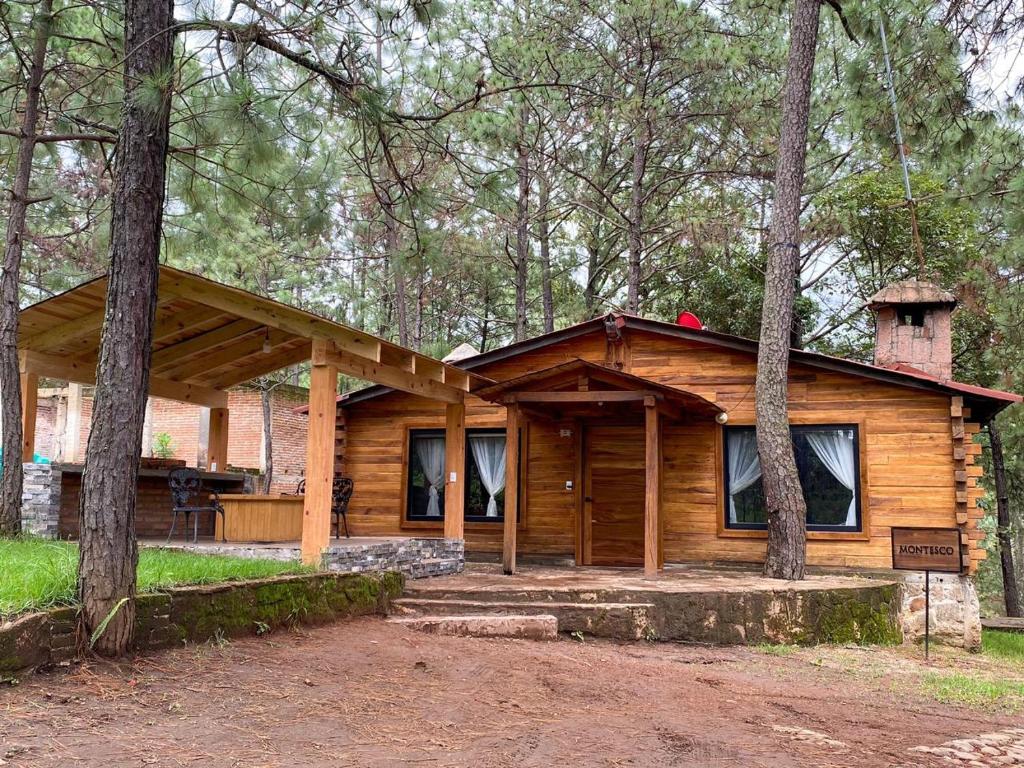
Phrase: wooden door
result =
(613, 495)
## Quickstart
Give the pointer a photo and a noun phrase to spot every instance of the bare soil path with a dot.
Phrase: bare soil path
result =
(370, 693)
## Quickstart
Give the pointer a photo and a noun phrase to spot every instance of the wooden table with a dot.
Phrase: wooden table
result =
(257, 518)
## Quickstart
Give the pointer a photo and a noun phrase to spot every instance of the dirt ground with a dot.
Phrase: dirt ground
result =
(370, 693)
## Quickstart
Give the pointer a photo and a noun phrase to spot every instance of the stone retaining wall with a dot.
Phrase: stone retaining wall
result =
(40, 500)
(201, 613)
(413, 558)
(955, 611)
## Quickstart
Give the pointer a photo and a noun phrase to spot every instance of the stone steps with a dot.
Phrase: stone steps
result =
(624, 621)
(531, 627)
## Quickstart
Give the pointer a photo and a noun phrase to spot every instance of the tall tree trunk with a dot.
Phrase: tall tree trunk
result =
(544, 236)
(268, 438)
(108, 549)
(10, 378)
(635, 238)
(391, 244)
(787, 511)
(1011, 592)
(522, 231)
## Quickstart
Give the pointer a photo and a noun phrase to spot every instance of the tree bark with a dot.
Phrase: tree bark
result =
(641, 145)
(268, 438)
(10, 375)
(787, 511)
(522, 231)
(1011, 591)
(544, 236)
(108, 550)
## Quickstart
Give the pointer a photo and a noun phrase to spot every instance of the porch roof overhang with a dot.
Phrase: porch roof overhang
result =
(208, 337)
(580, 388)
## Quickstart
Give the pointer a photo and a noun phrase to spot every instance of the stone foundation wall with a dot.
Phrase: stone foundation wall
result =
(414, 558)
(199, 614)
(955, 612)
(40, 500)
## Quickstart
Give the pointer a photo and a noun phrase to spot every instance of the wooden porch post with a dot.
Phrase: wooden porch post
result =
(316, 508)
(29, 404)
(652, 495)
(217, 440)
(455, 468)
(508, 548)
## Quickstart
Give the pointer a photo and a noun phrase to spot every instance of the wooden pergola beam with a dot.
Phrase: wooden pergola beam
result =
(84, 372)
(168, 356)
(261, 366)
(281, 316)
(411, 382)
(77, 328)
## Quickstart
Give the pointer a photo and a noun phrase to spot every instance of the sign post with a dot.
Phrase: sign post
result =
(926, 549)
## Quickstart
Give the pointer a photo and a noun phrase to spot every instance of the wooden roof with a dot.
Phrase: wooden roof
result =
(209, 336)
(581, 385)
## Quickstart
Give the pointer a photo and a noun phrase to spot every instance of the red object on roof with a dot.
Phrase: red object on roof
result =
(689, 320)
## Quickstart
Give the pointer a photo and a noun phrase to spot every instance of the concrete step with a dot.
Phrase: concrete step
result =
(623, 621)
(532, 627)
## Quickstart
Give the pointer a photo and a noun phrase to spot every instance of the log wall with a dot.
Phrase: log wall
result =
(908, 463)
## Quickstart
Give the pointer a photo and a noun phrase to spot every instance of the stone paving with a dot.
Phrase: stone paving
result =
(998, 748)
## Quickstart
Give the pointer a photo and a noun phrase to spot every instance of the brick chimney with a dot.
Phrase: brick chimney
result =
(912, 327)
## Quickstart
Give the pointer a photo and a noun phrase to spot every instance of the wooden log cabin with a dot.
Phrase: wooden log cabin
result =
(629, 442)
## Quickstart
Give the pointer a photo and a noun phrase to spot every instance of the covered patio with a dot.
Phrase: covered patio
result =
(209, 337)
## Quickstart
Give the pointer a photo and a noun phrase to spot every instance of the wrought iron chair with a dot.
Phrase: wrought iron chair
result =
(186, 495)
(341, 493)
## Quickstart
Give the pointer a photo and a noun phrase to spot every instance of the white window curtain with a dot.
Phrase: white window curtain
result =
(744, 466)
(835, 449)
(430, 452)
(489, 456)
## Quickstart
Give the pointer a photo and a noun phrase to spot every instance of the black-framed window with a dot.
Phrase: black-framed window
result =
(828, 461)
(484, 472)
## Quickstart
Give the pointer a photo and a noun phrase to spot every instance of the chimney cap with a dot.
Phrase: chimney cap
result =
(912, 291)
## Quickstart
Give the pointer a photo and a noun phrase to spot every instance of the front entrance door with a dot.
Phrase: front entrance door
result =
(613, 495)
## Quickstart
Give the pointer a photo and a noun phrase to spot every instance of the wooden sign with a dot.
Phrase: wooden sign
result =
(926, 549)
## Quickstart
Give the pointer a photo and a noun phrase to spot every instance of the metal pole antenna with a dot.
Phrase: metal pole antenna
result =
(900, 147)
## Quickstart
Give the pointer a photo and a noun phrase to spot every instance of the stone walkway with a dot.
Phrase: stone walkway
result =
(998, 748)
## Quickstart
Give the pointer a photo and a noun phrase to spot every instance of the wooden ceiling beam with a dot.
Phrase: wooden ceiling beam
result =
(204, 365)
(396, 378)
(84, 372)
(232, 377)
(75, 329)
(170, 356)
(273, 314)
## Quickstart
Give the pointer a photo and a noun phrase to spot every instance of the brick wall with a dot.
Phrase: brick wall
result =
(183, 422)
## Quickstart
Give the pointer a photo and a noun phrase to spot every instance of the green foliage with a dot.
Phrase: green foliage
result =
(163, 446)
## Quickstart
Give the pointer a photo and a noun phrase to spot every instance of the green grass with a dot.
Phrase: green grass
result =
(959, 688)
(1004, 645)
(36, 574)
(773, 649)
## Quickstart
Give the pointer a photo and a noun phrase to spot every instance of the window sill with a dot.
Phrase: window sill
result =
(469, 525)
(746, 533)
